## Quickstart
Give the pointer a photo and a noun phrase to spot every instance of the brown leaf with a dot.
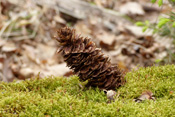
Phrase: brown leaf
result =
(107, 40)
(146, 95)
(137, 31)
(56, 70)
(2, 42)
(9, 47)
(132, 8)
(7, 71)
(69, 73)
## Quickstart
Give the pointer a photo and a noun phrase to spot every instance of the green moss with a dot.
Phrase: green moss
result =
(58, 96)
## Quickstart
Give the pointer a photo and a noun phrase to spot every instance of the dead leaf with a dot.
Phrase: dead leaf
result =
(69, 73)
(105, 3)
(1, 66)
(9, 47)
(7, 71)
(146, 95)
(82, 28)
(2, 42)
(2, 57)
(171, 92)
(132, 8)
(59, 19)
(137, 31)
(26, 72)
(56, 70)
(107, 40)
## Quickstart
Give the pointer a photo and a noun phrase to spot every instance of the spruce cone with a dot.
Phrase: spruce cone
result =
(87, 61)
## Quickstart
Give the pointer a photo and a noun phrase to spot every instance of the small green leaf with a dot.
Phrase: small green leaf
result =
(160, 2)
(162, 22)
(158, 60)
(173, 24)
(139, 23)
(153, 1)
(155, 30)
(147, 22)
(145, 28)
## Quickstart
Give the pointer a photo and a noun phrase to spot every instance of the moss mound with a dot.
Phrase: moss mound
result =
(64, 97)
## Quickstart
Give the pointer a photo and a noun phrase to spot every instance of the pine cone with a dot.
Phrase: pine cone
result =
(87, 61)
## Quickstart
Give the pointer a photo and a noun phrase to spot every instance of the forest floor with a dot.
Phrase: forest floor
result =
(67, 97)
(27, 28)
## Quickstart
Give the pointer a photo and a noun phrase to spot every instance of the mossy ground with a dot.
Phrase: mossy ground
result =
(64, 97)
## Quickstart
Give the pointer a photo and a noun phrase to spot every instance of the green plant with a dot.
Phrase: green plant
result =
(165, 25)
(64, 97)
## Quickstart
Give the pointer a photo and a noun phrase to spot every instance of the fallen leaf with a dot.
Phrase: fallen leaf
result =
(107, 41)
(82, 28)
(56, 70)
(9, 47)
(1, 66)
(7, 71)
(137, 31)
(132, 8)
(26, 72)
(69, 73)
(146, 95)
(2, 42)
(59, 19)
(171, 92)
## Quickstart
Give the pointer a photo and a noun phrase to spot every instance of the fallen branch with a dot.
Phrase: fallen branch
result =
(81, 10)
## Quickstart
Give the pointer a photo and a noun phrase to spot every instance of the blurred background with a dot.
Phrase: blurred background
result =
(27, 28)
